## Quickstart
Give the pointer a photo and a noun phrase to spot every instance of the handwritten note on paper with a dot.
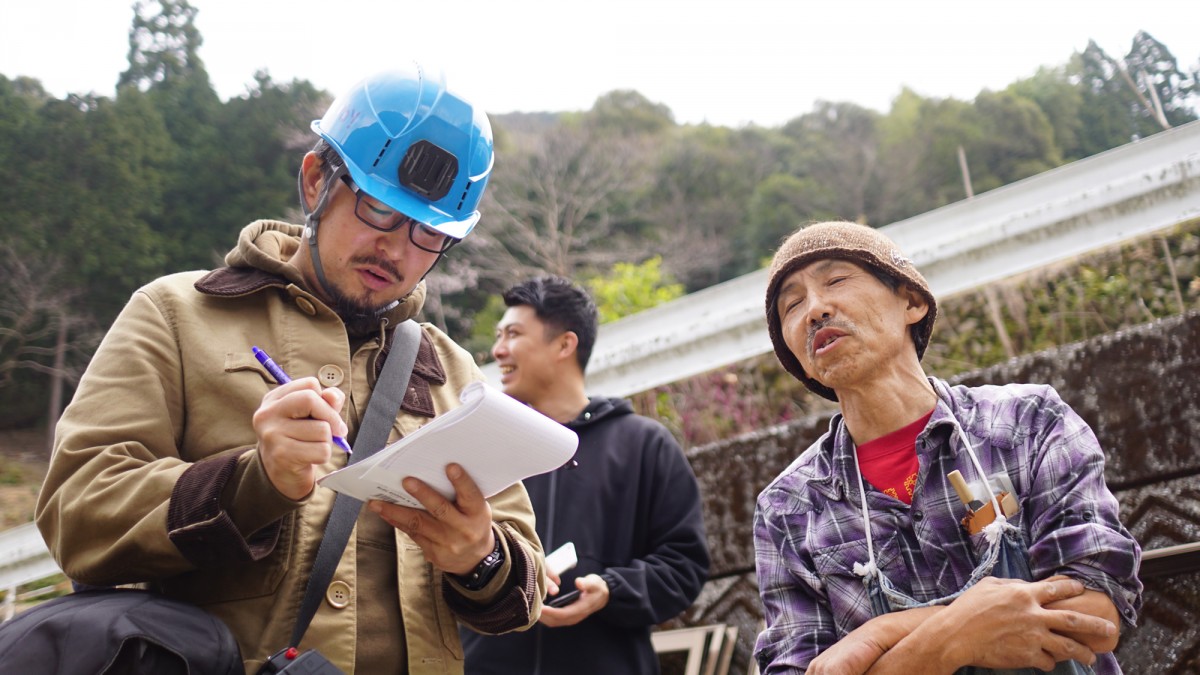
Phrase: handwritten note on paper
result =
(495, 438)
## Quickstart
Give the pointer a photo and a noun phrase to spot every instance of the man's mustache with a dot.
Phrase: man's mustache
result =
(825, 322)
(382, 263)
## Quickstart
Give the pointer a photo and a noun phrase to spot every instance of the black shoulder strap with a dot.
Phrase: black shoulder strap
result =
(372, 436)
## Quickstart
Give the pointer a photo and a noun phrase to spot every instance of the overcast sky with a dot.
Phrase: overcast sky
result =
(727, 62)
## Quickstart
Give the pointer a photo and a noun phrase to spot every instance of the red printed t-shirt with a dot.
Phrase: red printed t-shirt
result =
(890, 462)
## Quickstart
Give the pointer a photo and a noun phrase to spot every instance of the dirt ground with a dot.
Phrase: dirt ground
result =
(23, 460)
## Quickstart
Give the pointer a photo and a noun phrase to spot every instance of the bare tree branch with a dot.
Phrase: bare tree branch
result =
(550, 204)
(33, 308)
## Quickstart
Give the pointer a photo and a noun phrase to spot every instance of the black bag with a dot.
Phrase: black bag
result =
(118, 631)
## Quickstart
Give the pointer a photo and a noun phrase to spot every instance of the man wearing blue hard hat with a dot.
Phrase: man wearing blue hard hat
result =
(185, 464)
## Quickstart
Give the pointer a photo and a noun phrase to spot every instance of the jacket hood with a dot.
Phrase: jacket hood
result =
(268, 246)
(599, 408)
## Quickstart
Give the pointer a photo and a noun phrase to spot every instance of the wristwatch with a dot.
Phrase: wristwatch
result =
(484, 571)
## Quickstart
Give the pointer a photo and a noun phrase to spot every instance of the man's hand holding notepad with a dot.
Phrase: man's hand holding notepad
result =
(496, 439)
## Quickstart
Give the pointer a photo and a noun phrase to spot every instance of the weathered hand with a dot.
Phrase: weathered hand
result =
(1094, 603)
(852, 655)
(593, 596)
(453, 535)
(295, 425)
(1003, 623)
(858, 651)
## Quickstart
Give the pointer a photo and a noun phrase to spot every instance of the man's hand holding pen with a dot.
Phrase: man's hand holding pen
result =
(295, 425)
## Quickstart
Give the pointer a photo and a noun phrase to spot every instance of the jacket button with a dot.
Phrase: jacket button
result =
(338, 594)
(306, 306)
(330, 375)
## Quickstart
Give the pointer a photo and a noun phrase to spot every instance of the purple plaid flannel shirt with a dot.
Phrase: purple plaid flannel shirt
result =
(808, 525)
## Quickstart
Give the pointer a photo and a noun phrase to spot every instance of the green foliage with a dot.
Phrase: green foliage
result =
(1060, 101)
(107, 193)
(779, 205)
(251, 169)
(11, 473)
(629, 288)
(1103, 292)
(1016, 141)
(483, 332)
(836, 150)
(628, 112)
(19, 108)
(697, 201)
(92, 181)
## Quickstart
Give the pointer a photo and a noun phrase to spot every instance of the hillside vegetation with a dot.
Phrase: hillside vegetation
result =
(102, 194)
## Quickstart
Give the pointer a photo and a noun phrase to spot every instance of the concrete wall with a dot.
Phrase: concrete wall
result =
(1139, 390)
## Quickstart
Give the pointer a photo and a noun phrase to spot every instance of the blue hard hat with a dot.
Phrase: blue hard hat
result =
(411, 143)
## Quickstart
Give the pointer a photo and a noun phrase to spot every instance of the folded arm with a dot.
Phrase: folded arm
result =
(999, 623)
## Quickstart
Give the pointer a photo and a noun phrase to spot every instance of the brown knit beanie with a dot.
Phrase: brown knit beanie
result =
(844, 241)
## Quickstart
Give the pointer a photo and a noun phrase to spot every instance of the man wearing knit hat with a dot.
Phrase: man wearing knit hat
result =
(880, 548)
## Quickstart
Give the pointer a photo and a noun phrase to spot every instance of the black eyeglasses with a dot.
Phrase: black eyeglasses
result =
(380, 216)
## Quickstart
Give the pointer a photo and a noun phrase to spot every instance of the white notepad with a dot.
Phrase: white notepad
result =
(495, 438)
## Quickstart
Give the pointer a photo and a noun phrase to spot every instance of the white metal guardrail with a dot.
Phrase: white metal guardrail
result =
(1115, 196)
(23, 558)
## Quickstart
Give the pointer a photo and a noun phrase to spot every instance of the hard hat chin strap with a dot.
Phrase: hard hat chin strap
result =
(312, 219)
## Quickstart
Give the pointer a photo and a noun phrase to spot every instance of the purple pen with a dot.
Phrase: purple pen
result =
(282, 378)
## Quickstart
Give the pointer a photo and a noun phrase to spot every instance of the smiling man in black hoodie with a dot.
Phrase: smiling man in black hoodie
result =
(631, 505)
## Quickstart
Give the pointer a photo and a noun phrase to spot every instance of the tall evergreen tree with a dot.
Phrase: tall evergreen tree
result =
(1112, 113)
(164, 62)
(20, 103)
(1155, 73)
(164, 44)
(262, 138)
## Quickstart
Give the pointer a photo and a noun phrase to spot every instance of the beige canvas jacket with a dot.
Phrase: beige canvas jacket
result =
(155, 480)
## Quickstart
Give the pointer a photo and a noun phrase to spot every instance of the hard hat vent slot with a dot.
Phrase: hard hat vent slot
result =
(382, 152)
(463, 198)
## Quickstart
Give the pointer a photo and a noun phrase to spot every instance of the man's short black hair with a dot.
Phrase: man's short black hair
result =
(561, 305)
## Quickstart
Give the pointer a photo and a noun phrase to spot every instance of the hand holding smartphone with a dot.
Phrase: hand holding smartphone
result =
(562, 559)
(563, 599)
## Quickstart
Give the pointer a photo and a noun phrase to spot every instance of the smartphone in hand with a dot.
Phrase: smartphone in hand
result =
(562, 559)
(563, 599)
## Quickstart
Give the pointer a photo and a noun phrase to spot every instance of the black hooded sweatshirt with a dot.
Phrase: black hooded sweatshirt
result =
(631, 506)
